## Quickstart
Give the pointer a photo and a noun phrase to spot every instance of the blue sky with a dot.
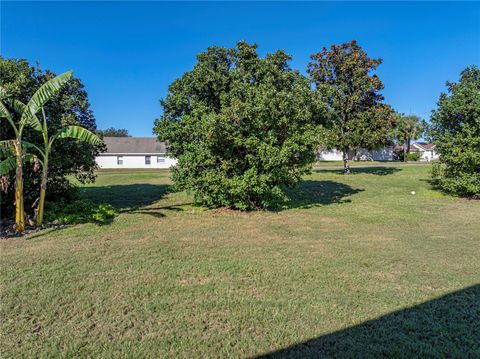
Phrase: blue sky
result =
(127, 53)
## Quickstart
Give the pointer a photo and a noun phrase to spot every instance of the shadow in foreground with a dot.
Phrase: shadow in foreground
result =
(124, 197)
(373, 170)
(447, 327)
(313, 193)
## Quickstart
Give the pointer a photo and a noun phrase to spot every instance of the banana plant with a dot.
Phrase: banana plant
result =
(75, 132)
(28, 117)
(7, 154)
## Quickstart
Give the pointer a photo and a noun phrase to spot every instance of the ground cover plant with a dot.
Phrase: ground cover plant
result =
(354, 265)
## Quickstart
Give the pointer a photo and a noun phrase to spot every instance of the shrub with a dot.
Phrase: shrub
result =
(79, 211)
(242, 128)
(455, 131)
(413, 156)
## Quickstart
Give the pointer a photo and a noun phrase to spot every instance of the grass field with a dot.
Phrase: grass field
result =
(355, 266)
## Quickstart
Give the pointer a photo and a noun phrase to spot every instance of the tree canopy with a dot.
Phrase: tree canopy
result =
(242, 127)
(113, 132)
(455, 130)
(342, 77)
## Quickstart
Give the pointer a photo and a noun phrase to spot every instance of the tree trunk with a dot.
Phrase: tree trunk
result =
(405, 151)
(43, 190)
(346, 162)
(408, 144)
(19, 209)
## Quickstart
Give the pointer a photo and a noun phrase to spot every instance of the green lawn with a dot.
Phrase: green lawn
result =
(356, 266)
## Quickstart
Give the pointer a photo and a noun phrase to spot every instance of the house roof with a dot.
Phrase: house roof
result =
(421, 146)
(397, 147)
(138, 145)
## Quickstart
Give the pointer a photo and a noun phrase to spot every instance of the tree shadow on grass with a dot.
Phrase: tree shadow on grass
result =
(133, 198)
(157, 212)
(446, 327)
(374, 170)
(126, 197)
(314, 193)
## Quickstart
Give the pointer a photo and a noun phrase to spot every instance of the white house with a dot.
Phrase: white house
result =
(147, 152)
(381, 154)
(134, 152)
(425, 150)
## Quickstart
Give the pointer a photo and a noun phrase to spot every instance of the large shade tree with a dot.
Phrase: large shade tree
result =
(455, 130)
(70, 106)
(242, 127)
(343, 78)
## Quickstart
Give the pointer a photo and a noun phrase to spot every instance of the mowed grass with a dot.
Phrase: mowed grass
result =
(355, 266)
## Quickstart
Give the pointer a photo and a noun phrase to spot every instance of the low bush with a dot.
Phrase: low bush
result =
(413, 156)
(460, 183)
(79, 211)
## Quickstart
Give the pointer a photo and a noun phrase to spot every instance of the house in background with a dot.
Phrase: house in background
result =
(381, 154)
(425, 150)
(134, 152)
(147, 152)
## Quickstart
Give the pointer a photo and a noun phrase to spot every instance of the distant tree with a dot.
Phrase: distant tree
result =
(409, 128)
(242, 127)
(113, 132)
(455, 130)
(342, 78)
(70, 106)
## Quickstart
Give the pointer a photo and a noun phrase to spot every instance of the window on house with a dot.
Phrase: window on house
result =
(161, 159)
(120, 160)
(148, 160)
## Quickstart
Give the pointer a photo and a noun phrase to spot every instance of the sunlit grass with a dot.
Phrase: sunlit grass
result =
(167, 278)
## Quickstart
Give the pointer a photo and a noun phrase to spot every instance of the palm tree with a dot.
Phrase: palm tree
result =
(409, 128)
(27, 117)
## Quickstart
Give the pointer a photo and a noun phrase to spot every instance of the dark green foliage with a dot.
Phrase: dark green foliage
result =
(359, 119)
(455, 130)
(113, 132)
(79, 211)
(69, 107)
(242, 127)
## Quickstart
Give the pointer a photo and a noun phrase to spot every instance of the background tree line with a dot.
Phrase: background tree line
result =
(244, 128)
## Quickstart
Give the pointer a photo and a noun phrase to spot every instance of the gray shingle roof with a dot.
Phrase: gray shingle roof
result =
(126, 145)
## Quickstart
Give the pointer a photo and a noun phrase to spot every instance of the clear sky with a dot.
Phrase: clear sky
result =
(127, 53)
